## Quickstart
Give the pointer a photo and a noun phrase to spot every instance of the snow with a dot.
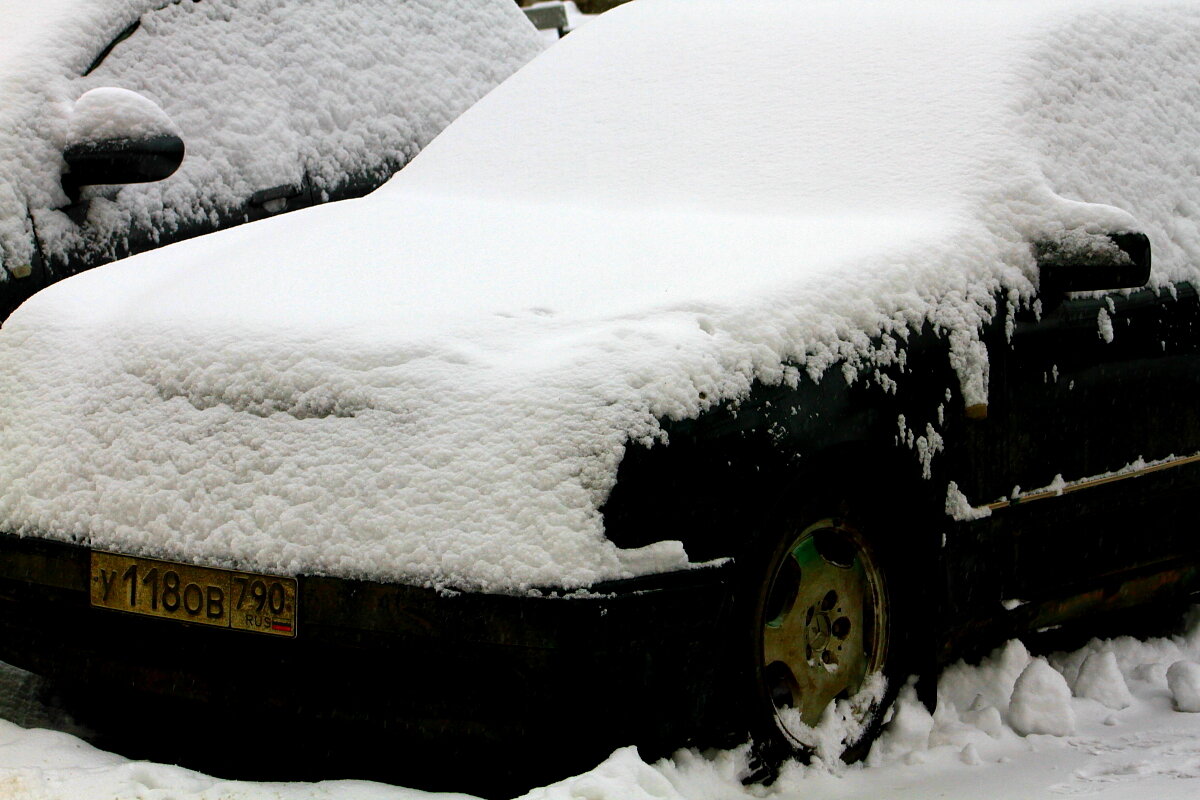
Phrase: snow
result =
(1104, 325)
(1041, 702)
(263, 94)
(46, 764)
(111, 113)
(908, 732)
(1100, 679)
(959, 507)
(437, 383)
(964, 749)
(843, 722)
(1183, 679)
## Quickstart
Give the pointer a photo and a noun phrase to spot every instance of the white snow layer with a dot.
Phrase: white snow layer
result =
(263, 91)
(436, 383)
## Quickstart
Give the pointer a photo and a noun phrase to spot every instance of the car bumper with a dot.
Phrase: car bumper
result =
(640, 659)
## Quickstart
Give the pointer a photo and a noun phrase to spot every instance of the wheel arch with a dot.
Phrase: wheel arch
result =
(720, 496)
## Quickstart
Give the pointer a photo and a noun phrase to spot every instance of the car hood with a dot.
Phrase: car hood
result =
(437, 383)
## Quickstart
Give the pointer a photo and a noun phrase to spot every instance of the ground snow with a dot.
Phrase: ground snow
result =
(263, 93)
(1183, 679)
(963, 750)
(1100, 679)
(437, 383)
(1041, 702)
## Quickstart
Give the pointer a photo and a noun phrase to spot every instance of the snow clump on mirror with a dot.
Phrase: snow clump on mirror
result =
(111, 113)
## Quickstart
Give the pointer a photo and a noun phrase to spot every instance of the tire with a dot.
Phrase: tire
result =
(827, 660)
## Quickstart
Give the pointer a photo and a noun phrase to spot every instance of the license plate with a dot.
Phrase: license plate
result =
(244, 601)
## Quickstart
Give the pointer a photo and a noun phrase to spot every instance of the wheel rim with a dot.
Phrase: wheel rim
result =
(824, 625)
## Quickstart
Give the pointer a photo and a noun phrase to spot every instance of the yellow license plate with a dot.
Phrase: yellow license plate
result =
(244, 601)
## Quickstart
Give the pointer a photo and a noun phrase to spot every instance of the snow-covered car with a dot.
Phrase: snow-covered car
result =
(726, 365)
(277, 106)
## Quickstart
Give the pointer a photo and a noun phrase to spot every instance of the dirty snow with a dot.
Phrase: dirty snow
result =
(263, 93)
(436, 383)
(968, 748)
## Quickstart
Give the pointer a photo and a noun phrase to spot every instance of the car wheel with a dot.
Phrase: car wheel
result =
(826, 656)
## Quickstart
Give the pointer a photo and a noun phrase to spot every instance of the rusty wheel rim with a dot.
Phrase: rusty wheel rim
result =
(824, 625)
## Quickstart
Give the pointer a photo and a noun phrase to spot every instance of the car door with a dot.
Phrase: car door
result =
(1093, 405)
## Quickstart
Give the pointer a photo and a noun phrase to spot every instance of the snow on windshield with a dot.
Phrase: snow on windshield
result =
(436, 383)
(264, 93)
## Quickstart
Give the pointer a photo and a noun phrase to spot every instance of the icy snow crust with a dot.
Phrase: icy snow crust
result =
(263, 91)
(436, 383)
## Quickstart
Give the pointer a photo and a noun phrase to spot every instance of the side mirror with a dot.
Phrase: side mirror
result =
(118, 136)
(1080, 262)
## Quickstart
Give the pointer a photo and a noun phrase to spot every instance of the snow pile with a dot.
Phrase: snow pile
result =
(1041, 702)
(264, 94)
(624, 775)
(436, 383)
(1100, 679)
(909, 732)
(1183, 679)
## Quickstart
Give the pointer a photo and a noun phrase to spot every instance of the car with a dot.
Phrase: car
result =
(724, 367)
(276, 107)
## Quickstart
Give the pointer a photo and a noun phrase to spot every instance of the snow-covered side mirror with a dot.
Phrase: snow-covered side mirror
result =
(1077, 262)
(118, 136)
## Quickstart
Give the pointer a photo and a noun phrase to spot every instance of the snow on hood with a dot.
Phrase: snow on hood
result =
(436, 383)
(263, 92)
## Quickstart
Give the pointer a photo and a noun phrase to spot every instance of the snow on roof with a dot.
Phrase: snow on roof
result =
(262, 92)
(436, 383)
